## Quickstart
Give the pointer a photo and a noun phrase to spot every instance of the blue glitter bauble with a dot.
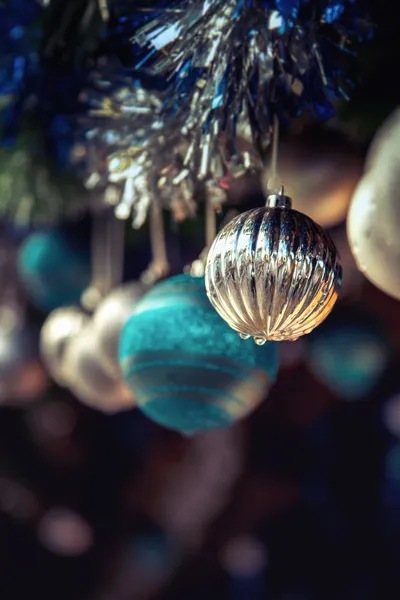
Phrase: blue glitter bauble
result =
(349, 354)
(188, 369)
(53, 270)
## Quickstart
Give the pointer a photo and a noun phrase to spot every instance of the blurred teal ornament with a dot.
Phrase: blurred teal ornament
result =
(349, 354)
(154, 550)
(189, 371)
(53, 270)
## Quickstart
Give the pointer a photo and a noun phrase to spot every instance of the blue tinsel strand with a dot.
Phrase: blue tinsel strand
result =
(235, 60)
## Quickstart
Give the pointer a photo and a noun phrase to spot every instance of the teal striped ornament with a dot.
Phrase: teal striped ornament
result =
(188, 370)
(53, 270)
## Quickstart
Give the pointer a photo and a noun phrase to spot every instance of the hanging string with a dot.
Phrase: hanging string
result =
(12, 301)
(114, 253)
(211, 222)
(160, 265)
(197, 268)
(97, 242)
(274, 184)
(107, 243)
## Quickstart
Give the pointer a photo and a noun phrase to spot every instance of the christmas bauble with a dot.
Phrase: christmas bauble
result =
(374, 217)
(321, 172)
(59, 328)
(87, 379)
(53, 270)
(245, 560)
(109, 319)
(349, 354)
(272, 273)
(22, 376)
(391, 415)
(383, 149)
(187, 369)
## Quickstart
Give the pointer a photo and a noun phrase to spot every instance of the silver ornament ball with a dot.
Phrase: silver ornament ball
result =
(109, 319)
(60, 327)
(272, 273)
(87, 379)
(22, 376)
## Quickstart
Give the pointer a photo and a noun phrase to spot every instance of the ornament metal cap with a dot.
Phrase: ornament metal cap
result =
(279, 200)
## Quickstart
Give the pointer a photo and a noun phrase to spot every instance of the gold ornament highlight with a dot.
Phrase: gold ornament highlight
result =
(272, 273)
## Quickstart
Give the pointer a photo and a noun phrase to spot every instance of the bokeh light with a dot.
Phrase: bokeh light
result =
(65, 532)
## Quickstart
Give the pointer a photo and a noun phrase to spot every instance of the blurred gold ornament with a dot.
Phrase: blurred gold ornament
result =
(374, 217)
(62, 325)
(321, 174)
(272, 273)
(87, 379)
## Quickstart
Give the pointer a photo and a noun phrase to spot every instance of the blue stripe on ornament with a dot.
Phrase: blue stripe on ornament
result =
(218, 393)
(146, 394)
(129, 371)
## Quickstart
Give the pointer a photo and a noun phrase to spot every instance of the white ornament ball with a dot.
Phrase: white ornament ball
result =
(383, 151)
(109, 319)
(373, 220)
(373, 225)
(87, 379)
(60, 326)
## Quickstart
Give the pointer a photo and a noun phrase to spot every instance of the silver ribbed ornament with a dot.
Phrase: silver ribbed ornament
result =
(272, 273)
